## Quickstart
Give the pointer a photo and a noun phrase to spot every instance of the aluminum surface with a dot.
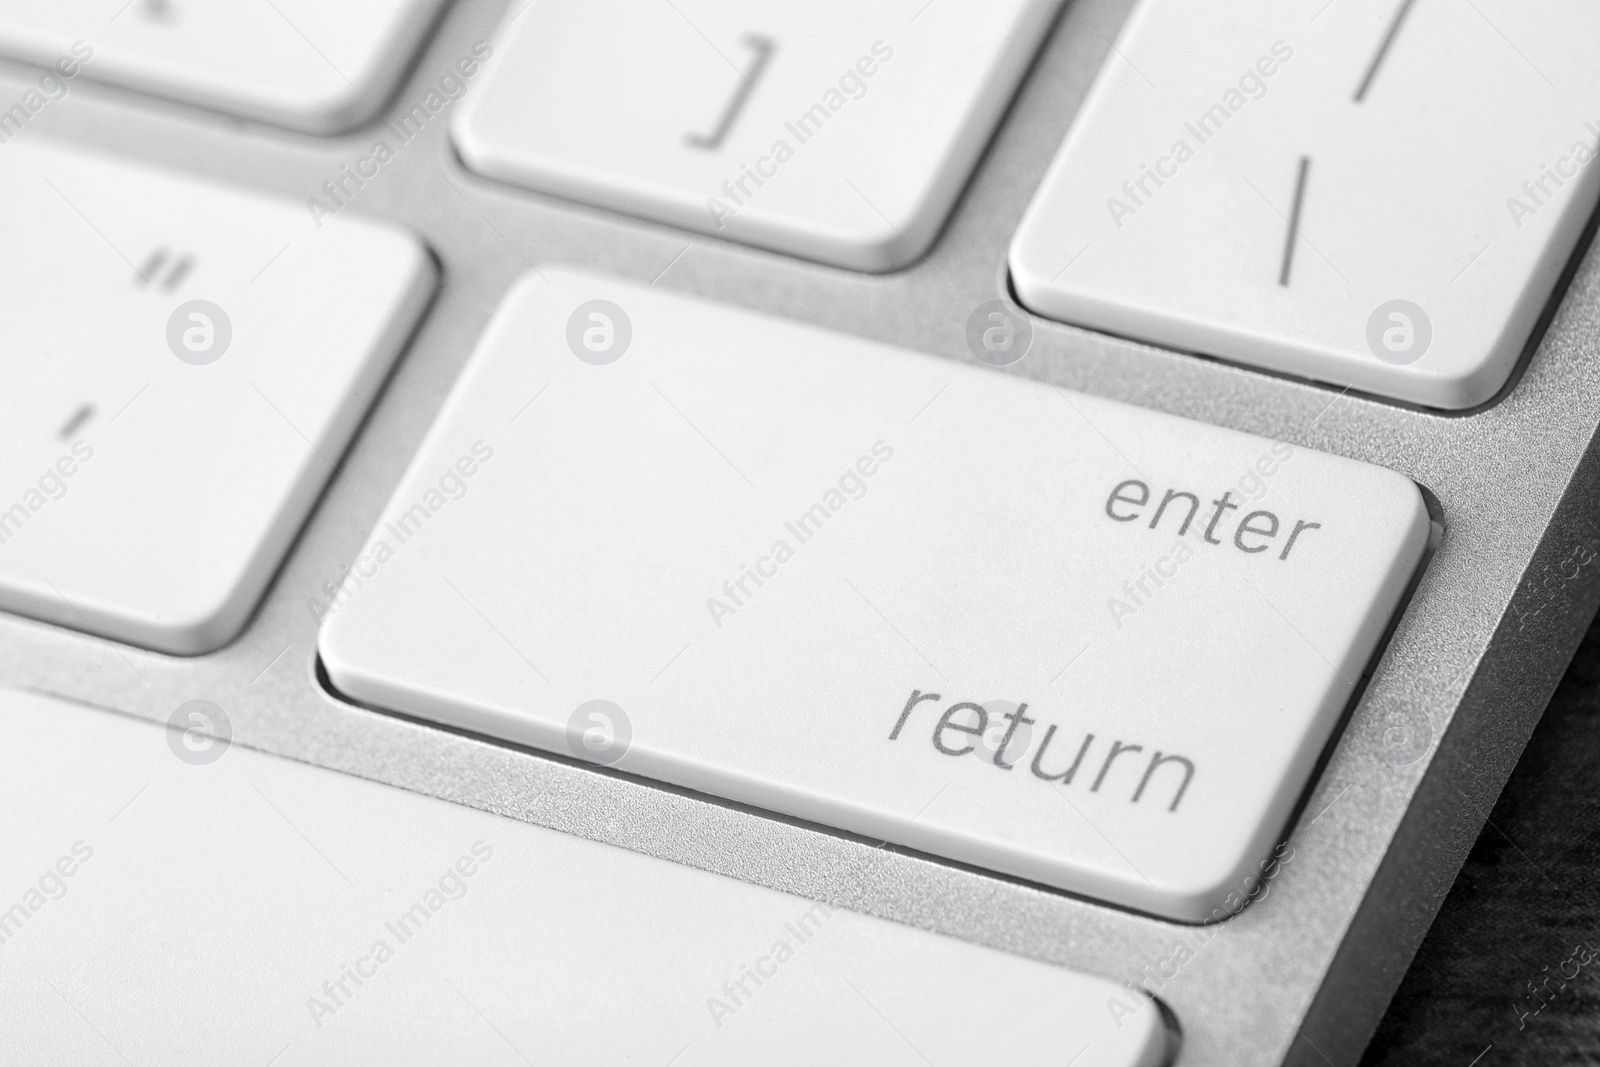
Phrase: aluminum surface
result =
(1516, 481)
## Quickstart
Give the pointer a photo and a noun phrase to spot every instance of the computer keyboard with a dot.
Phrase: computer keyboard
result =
(475, 398)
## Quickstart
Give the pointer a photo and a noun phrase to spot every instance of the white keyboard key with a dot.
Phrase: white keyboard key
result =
(319, 67)
(1434, 162)
(134, 892)
(839, 130)
(820, 575)
(183, 364)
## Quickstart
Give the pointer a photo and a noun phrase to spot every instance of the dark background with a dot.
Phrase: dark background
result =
(1528, 896)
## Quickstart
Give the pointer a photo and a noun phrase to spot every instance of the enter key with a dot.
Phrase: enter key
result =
(1050, 635)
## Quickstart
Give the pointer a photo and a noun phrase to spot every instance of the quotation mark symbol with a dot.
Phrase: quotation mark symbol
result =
(999, 333)
(1399, 332)
(199, 332)
(599, 332)
(198, 732)
(599, 731)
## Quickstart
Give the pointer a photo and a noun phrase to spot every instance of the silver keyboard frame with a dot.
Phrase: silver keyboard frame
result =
(1302, 975)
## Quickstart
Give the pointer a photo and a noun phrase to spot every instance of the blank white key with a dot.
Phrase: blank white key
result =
(839, 130)
(398, 929)
(1374, 195)
(319, 67)
(788, 558)
(182, 365)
